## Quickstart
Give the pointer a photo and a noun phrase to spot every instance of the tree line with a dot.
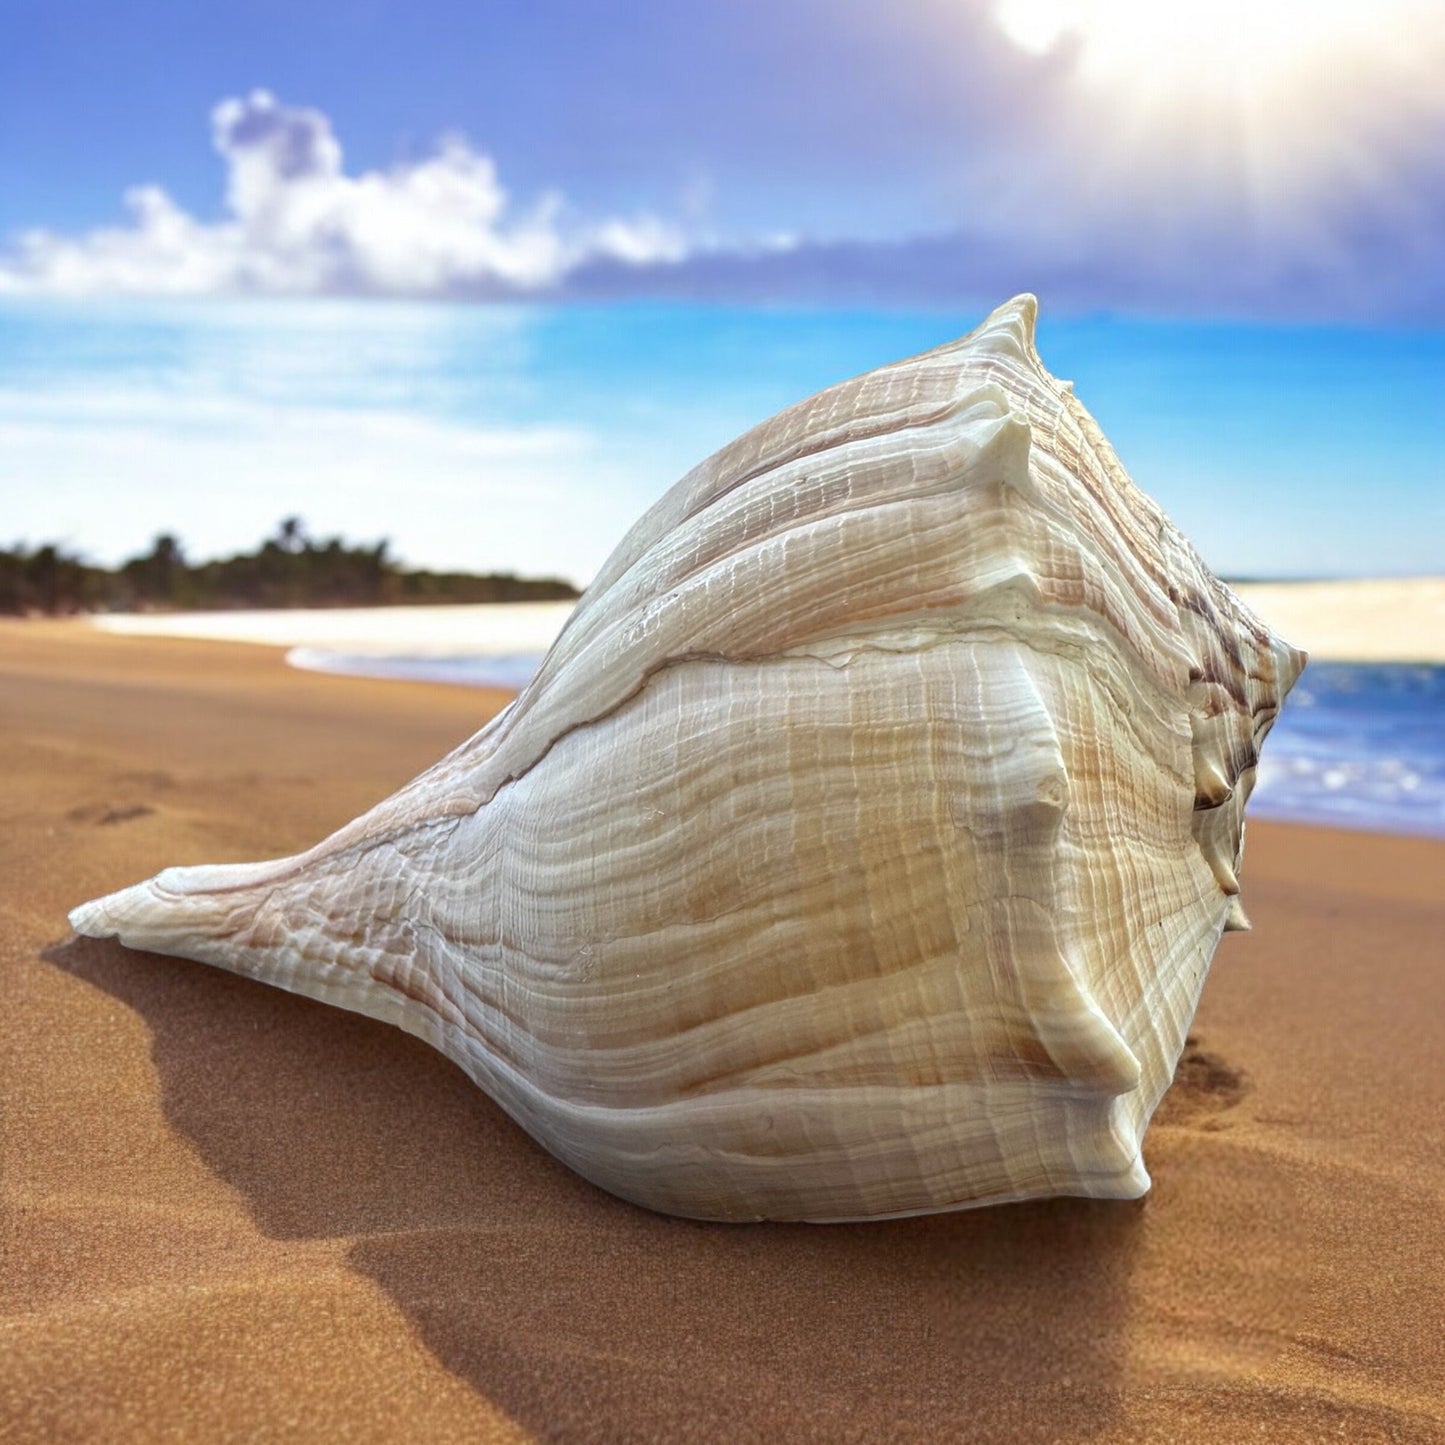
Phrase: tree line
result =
(288, 569)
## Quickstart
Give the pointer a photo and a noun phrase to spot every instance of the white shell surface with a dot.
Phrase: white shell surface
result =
(862, 844)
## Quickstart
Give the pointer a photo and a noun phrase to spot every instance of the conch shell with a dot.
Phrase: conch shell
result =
(860, 847)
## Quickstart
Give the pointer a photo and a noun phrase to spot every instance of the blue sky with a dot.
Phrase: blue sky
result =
(1283, 161)
(538, 259)
(529, 437)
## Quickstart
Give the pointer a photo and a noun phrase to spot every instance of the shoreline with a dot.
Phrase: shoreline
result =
(228, 1207)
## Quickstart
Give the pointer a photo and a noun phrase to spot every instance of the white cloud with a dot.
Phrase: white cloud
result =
(296, 223)
(1077, 154)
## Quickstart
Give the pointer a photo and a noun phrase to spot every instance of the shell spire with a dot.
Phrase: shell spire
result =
(1010, 329)
(860, 846)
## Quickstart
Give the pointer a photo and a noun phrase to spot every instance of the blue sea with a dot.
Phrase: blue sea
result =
(1358, 745)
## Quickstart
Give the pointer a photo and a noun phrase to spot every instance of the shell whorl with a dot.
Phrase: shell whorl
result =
(860, 846)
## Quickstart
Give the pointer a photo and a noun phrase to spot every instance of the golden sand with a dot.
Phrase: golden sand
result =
(233, 1214)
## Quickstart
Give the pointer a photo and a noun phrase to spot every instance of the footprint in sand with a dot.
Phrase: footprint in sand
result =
(1204, 1087)
(105, 814)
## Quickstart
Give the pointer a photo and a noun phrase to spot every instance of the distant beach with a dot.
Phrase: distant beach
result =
(1395, 619)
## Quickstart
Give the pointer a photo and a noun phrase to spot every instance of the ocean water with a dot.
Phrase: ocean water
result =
(1358, 745)
(506, 670)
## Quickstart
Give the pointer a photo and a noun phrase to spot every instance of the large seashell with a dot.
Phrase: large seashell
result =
(860, 847)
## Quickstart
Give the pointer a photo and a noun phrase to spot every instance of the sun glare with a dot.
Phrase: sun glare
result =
(1223, 43)
(1281, 99)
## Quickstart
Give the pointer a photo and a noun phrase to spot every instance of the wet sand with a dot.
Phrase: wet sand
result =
(230, 1213)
